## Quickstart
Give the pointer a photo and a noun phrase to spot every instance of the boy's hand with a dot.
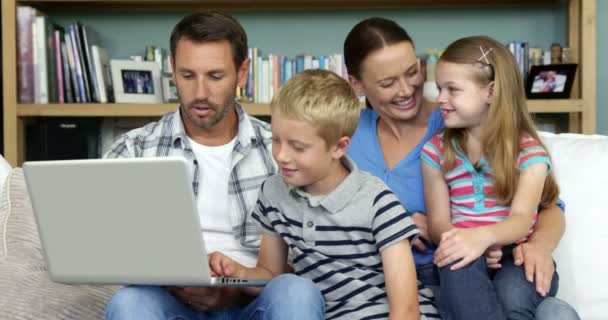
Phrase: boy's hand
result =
(421, 222)
(465, 245)
(223, 266)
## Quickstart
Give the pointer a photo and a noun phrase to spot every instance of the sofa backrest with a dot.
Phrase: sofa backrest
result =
(581, 167)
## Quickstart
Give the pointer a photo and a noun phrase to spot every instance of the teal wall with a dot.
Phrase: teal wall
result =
(602, 67)
(321, 32)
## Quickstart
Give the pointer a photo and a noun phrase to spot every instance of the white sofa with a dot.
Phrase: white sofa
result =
(581, 166)
(580, 163)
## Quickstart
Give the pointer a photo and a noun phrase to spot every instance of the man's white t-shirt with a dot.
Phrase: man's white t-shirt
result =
(5, 169)
(213, 204)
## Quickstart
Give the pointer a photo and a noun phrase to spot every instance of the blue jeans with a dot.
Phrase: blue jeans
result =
(474, 292)
(550, 308)
(285, 297)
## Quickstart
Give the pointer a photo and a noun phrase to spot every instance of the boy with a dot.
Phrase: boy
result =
(344, 229)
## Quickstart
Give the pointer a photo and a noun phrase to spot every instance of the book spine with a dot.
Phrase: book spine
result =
(25, 54)
(59, 66)
(73, 72)
(41, 61)
(99, 73)
(77, 64)
(87, 35)
(79, 43)
(67, 81)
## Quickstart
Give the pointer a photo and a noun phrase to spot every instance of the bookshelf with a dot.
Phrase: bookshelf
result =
(581, 37)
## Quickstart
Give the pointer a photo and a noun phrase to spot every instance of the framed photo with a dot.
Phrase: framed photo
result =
(169, 90)
(553, 81)
(136, 81)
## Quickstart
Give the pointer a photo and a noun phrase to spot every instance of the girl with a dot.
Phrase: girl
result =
(485, 176)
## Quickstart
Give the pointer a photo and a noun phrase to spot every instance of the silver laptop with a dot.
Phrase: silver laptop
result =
(121, 221)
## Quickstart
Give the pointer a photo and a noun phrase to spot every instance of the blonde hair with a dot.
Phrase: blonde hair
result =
(508, 118)
(322, 99)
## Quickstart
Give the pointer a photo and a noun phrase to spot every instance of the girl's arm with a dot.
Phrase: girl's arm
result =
(467, 245)
(272, 261)
(400, 279)
(523, 208)
(437, 200)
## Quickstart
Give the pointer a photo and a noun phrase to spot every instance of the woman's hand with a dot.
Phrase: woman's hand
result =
(493, 256)
(538, 265)
(421, 222)
(462, 245)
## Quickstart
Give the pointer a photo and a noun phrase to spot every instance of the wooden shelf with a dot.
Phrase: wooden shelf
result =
(270, 4)
(555, 106)
(114, 109)
(255, 109)
(580, 37)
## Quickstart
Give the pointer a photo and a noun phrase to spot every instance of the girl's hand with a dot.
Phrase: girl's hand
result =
(457, 244)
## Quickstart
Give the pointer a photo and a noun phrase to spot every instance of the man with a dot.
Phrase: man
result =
(229, 156)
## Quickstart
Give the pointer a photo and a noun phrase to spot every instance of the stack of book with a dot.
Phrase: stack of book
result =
(59, 66)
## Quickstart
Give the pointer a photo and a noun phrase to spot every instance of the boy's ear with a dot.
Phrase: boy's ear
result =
(339, 149)
(356, 85)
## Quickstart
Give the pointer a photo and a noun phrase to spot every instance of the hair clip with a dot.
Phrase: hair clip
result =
(484, 55)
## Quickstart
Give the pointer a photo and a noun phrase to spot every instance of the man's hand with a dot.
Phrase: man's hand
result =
(538, 264)
(420, 221)
(212, 298)
(457, 244)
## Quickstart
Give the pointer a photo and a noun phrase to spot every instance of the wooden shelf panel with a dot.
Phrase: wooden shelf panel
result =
(555, 105)
(114, 110)
(270, 4)
(255, 109)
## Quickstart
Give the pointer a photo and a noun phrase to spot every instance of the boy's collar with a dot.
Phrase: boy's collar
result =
(339, 197)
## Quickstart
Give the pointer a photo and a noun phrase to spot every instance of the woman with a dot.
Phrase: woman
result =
(382, 66)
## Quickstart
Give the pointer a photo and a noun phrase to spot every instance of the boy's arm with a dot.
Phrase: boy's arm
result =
(437, 201)
(272, 261)
(467, 245)
(400, 279)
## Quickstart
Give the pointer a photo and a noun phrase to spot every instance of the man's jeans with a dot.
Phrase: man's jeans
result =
(285, 297)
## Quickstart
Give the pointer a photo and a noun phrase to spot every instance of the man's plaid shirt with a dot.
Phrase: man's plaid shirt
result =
(252, 163)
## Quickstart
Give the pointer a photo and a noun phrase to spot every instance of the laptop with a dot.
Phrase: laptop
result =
(121, 221)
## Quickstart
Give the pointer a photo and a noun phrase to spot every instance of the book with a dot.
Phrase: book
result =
(90, 38)
(103, 79)
(67, 76)
(72, 66)
(25, 53)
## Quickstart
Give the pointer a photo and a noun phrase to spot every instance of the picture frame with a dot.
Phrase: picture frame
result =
(553, 81)
(169, 90)
(136, 81)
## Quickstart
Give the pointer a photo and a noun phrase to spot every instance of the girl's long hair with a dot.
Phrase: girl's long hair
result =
(508, 118)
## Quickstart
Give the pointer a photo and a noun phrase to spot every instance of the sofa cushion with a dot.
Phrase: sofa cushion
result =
(18, 233)
(580, 163)
(27, 291)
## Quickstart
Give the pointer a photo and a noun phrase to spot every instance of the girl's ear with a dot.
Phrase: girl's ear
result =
(356, 85)
(490, 95)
